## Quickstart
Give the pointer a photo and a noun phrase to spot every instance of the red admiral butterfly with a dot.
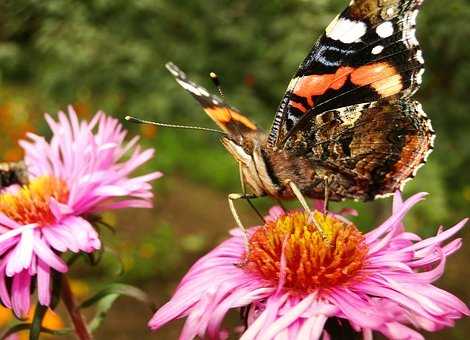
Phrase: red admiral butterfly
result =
(347, 124)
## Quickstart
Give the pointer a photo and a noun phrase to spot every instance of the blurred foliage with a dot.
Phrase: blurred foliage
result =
(155, 254)
(110, 55)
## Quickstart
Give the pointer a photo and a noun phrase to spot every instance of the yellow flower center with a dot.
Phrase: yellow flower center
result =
(313, 261)
(30, 204)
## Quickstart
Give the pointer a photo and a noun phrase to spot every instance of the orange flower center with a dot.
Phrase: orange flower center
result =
(31, 203)
(313, 261)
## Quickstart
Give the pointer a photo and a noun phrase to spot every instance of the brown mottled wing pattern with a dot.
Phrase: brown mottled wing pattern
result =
(367, 53)
(226, 117)
(368, 149)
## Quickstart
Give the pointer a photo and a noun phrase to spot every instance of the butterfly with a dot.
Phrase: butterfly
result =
(347, 123)
(13, 173)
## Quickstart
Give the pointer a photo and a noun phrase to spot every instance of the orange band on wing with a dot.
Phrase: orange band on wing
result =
(223, 116)
(297, 106)
(315, 85)
(382, 77)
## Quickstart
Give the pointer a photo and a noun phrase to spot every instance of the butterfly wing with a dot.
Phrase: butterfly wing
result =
(369, 52)
(370, 149)
(13, 173)
(228, 118)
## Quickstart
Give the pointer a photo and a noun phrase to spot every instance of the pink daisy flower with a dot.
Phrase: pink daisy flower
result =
(293, 280)
(81, 171)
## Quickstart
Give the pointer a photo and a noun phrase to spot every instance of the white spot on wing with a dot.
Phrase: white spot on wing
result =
(419, 56)
(383, 195)
(173, 71)
(292, 83)
(419, 166)
(331, 25)
(402, 185)
(204, 92)
(190, 87)
(419, 76)
(377, 49)
(413, 17)
(346, 31)
(385, 29)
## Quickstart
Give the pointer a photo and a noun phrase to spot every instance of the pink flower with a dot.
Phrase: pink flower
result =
(294, 279)
(81, 171)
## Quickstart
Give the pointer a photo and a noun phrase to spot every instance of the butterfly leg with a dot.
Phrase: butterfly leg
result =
(279, 202)
(298, 194)
(242, 183)
(327, 180)
(231, 199)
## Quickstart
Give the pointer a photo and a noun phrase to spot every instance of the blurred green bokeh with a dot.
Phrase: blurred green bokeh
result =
(110, 55)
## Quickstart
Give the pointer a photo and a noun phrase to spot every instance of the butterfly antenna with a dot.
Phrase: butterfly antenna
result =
(143, 121)
(215, 79)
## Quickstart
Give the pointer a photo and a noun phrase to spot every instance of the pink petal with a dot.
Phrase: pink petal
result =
(395, 218)
(22, 254)
(59, 210)
(284, 321)
(4, 294)
(47, 256)
(274, 213)
(44, 281)
(8, 222)
(86, 237)
(20, 294)
(395, 330)
(318, 327)
(438, 238)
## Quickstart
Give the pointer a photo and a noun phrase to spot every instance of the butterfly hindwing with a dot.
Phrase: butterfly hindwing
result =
(229, 119)
(369, 52)
(371, 149)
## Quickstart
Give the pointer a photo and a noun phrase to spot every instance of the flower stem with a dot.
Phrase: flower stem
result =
(36, 324)
(76, 317)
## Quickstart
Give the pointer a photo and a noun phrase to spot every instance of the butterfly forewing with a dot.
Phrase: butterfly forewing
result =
(228, 118)
(369, 52)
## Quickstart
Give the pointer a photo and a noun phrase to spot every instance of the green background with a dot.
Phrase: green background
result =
(110, 55)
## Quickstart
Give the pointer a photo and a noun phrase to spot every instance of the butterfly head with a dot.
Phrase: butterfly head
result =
(248, 152)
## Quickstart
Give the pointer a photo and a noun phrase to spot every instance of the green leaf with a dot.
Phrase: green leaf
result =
(119, 289)
(103, 306)
(105, 299)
